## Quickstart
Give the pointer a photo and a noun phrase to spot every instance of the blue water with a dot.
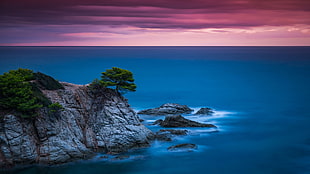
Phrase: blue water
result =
(262, 95)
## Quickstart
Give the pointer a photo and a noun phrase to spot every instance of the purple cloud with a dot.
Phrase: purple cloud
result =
(36, 20)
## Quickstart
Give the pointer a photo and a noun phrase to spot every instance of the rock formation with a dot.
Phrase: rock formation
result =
(90, 122)
(187, 147)
(179, 121)
(204, 111)
(174, 131)
(167, 109)
(168, 134)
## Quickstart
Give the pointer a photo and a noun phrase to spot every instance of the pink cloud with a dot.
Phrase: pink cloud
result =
(164, 22)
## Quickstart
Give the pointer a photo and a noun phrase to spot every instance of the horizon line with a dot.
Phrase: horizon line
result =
(155, 46)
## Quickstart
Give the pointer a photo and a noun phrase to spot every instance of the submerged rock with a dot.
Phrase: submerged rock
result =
(120, 157)
(168, 134)
(204, 111)
(174, 131)
(179, 121)
(163, 136)
(167, 109)
(183, 147)
(90, 122)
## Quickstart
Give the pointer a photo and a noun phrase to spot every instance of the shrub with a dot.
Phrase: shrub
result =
(95, 85)
(55, 107)
(16, 92)
(47, 82)
(20, 91)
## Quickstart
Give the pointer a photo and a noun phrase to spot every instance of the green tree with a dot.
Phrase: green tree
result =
(121, 79)
(16, 92)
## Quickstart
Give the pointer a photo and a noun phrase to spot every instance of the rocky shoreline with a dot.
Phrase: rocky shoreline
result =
(90, 122)
(173, 119)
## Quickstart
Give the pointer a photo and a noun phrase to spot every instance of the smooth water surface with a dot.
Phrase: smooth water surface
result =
(261, 95)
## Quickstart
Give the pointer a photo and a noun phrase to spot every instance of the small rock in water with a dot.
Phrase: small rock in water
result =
(179, 121)
(168, 134)
(187, 147)
(163, 136)
(168, 108)
(174, 132)
(204, 111)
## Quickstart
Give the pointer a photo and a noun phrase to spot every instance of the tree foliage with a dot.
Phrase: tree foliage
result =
(119, 79)
(20, 90)
(16, 92)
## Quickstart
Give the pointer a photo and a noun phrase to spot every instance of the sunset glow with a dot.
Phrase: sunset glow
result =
(154, 23)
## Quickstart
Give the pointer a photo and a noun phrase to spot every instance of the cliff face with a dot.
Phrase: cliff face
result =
(90, 122)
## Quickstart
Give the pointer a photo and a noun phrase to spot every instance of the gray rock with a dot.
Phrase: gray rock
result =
(183, 147)
(163, 136)
(168, 134)
(204, 111)
(158, 122)
(174, 131)
(90, 122)
(179, 121)
(167, 109)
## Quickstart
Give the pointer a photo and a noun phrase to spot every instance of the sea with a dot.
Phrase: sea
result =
(260, 95)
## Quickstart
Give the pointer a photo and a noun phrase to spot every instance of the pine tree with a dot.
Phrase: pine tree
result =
(119, 78)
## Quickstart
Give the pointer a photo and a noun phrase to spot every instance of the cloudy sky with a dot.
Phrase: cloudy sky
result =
(154, 22)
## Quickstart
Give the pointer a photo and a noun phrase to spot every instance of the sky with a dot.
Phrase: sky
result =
(154, 22)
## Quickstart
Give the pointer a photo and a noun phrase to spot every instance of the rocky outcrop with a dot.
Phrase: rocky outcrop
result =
(168, 134)
(167, 109)
(90, 122)
(204, 111)
(179, 121)
(187, 147)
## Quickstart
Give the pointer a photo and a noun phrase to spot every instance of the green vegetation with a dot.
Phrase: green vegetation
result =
(95, 85)
(37, 93)
(55, 107)
(47, 82)
(16, 92)
(20, 91)
(119, 79)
